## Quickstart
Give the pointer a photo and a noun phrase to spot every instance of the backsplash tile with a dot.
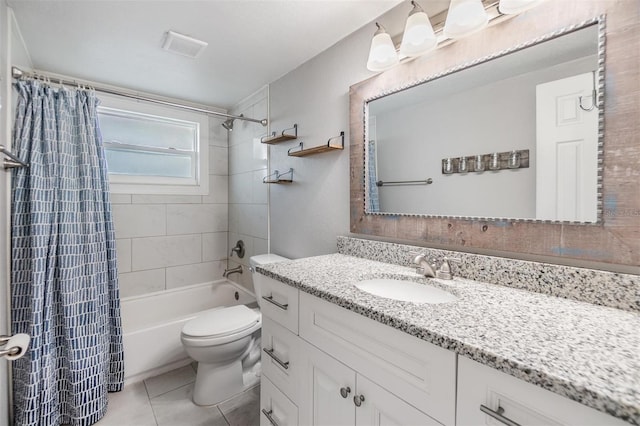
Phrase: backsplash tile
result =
(621, 291)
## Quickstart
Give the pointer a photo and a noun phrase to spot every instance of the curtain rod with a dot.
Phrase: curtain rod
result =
(18, 74)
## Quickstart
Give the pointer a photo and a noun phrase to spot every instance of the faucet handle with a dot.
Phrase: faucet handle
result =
(444, 272)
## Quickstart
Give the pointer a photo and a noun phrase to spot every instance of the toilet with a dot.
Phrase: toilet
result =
(226, 344)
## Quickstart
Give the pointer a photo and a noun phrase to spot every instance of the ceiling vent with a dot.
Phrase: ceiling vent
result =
(183, 45)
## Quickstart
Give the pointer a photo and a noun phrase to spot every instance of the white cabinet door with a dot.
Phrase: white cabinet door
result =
(326, 389)
(566, 150)
(380, 407)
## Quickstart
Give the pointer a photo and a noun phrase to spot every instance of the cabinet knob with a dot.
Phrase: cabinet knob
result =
(358, 400)
(344, 392)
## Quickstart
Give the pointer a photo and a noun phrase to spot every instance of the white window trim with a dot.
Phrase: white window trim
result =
(125, 184)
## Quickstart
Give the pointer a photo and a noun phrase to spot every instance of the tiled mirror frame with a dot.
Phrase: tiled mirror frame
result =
(615, 239)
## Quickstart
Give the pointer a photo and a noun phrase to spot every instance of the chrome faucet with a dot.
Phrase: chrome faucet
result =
(429, 269)
(239, 249)
(425, 267)
(236, 270)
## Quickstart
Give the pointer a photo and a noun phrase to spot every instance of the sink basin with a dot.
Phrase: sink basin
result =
(406, 291)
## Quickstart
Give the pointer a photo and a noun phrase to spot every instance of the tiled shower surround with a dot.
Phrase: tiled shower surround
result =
(621, 291)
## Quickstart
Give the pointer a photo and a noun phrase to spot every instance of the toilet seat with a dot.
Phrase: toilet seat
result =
(218, 326)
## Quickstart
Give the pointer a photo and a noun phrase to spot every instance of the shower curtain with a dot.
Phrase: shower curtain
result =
(373, 199)
(64, 284)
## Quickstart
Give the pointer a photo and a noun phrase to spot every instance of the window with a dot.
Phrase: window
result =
(154, 149)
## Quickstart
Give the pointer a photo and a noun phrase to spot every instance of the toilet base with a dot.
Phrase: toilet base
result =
(216, 383)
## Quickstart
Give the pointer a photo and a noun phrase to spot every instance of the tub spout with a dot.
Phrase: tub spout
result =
(237, 270)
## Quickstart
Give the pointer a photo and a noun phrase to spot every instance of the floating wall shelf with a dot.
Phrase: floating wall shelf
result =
(300, 151)
(277, 177)
(283, 136)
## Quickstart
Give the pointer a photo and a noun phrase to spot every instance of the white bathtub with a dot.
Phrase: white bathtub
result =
(151, 324)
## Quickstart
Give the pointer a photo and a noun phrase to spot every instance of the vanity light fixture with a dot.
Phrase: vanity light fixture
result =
(464, 18)
(418, 37)
(382, 54)
(512, 7)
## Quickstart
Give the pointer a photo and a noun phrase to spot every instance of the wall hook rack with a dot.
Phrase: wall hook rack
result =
(331, 145)
(283, 136)
(277, 177)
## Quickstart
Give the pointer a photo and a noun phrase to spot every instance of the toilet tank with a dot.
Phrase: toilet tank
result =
(259, 260)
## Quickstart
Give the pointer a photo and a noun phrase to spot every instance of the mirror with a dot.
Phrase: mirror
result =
(514, 135)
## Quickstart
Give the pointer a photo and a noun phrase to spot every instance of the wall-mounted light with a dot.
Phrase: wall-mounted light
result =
(464, 18)
(418, 37)
(382, 54)
(512, 7)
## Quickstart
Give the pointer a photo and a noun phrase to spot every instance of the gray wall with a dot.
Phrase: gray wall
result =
(307, 215)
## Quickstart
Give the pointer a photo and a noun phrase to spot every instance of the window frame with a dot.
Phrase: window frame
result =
(197, 184)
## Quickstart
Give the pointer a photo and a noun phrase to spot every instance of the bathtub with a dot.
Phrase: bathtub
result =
(151, 324)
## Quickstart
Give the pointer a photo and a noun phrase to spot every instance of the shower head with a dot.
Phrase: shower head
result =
(228, 124)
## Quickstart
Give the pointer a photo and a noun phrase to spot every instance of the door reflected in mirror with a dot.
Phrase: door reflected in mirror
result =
(467, 131)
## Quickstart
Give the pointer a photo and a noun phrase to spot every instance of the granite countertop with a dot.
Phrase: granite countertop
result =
(588, 353)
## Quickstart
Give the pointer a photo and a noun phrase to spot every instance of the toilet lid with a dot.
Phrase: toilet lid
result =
(220, 322)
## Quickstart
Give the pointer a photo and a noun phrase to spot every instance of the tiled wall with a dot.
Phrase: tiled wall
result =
(169, 241)
(248, 196)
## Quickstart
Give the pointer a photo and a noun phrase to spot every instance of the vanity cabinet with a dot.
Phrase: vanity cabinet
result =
(334, 394)
(516, 400)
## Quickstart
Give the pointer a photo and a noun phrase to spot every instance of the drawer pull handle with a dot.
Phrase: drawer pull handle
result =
(358, 400)
(344, 392)
(273, 356)
(269, 415)
(279, 305)
(498, 415)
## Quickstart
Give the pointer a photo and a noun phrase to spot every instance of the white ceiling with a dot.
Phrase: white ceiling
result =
(251, 42)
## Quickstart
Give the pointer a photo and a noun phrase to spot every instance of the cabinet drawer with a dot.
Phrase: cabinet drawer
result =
(280, 358)
(275, 408)
(521, 402)
(416, 371)
(280, 303)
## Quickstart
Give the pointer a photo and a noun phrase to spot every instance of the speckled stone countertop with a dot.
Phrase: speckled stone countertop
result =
(588, 353)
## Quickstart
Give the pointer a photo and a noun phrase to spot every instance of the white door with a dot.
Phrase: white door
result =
(566, 150)
(382, 408)
(327, 389)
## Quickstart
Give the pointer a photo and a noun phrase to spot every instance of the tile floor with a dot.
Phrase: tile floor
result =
(165, 400)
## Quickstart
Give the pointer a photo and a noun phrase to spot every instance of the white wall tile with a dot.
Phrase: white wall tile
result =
(166, 199)
(218, 160)
(259, 189)
(158, 252)
(139, 220)
(258, 155)
(218, 190)
(244, 279)
(258, 220)
(260, 246)
(120, 199)
(214, 246)
(141, 282)
(234, 216)
(179, 276)
(196, 219)
(240, 157)
(240, 188)
(123, 252)
(218, 135)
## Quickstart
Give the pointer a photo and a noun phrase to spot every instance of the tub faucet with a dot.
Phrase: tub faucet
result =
(236, 270)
